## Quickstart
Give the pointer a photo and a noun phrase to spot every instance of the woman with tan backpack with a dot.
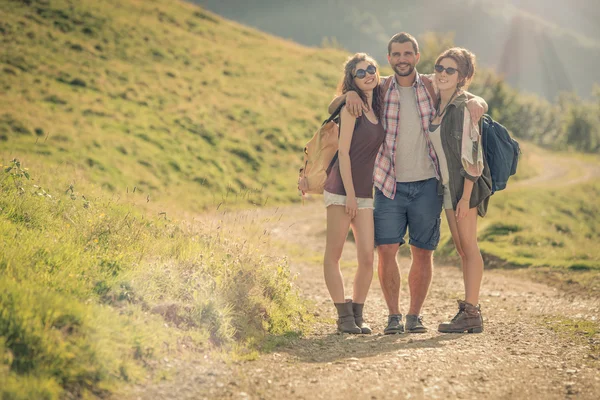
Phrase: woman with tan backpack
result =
(348, 192)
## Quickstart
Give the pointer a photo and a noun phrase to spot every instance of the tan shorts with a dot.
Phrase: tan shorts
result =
(447, 198)
(332, 199)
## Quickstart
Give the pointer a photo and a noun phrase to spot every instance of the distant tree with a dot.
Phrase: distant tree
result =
(581, 123)
(570, 123)
(431, 45)
(332, 43)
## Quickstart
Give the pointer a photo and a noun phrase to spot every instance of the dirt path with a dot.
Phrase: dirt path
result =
(517, 356)
(557, 171)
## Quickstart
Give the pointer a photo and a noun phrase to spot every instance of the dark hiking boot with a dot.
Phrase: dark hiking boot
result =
(414, 324)
(394, 325)
(358, 318)
(345, 322)
(468, 319)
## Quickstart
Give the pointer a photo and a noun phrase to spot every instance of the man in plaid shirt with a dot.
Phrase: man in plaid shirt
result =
(408, 194)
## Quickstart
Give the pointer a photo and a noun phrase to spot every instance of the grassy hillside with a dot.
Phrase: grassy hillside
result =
(126, 114)
(517, 50)
(118, 111)
(544, 224)
(159, 96)
(95, 292)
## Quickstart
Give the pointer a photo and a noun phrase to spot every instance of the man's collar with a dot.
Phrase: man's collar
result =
(417, 79)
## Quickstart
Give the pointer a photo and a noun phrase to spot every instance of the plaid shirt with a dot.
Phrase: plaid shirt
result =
(384, 174)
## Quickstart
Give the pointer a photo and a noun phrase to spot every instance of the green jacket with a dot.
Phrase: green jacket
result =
(451, 136)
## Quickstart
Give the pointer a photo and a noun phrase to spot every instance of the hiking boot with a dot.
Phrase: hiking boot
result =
(345, 322)
(468, 319)
(359, 320)
(394, 325)
(414, 324)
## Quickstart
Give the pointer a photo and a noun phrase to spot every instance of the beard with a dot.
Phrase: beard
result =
(411, 68)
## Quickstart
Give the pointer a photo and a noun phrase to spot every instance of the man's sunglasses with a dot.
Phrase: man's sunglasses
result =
(361, 73)
(440, 68)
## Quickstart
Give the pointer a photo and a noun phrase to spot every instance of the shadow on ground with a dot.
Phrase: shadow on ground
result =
(336, 347)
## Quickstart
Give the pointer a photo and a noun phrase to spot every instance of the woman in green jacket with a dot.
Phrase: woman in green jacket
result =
(465, 177)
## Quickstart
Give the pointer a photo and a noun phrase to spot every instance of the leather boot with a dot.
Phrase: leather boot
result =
(358, 318)
(345, 322)
(468, 319)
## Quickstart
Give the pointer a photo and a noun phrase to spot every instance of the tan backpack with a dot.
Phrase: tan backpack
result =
(319, 155)
(320, 152)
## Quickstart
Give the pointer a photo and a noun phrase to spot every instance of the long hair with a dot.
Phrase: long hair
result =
(347, 83)
(465, 60)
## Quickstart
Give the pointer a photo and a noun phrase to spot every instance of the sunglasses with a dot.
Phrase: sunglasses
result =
(361, 73)
(440, 68)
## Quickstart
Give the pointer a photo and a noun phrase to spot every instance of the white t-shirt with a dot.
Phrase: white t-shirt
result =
(412, 155)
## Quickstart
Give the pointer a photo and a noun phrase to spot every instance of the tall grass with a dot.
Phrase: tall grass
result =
(91, 289)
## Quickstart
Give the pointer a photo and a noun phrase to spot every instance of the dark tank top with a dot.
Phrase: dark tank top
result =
(366, 140)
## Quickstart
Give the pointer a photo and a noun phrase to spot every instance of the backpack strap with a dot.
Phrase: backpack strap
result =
(386, 85)
(429, 87)
(333, 117)
(335, 114)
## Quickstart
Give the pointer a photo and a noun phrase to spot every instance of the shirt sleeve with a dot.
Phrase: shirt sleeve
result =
(433, 83)
(471, 153)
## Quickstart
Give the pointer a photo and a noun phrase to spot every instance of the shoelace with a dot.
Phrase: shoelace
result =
(458, 314)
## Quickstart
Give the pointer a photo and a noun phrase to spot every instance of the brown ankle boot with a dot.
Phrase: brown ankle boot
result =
(467, 319)
(345, 322)
(359, 320)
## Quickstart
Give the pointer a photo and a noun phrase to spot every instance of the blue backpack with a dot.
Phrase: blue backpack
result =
(500, 150)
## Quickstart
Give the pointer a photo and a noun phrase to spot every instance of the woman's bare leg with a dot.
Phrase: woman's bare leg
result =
(363, 229)
(338, 222)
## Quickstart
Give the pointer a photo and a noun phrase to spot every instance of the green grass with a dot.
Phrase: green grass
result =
(161, 96)
(132, 114)
(555, 227)
(128, 114)
(551, 230)
(94, 290)
(581, 328)
(579, 331)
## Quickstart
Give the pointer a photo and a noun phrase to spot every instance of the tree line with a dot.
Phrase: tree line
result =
(569, 123)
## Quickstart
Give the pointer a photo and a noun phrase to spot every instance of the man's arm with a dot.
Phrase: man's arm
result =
(354, 104)
(475, 104)
(476, 99)
(336, 103)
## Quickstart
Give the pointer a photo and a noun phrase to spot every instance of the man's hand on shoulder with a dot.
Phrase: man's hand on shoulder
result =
(355, 105)
(477, 107)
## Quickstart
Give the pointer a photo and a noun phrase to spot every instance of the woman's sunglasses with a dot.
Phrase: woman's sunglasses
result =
(361, 73)
(440, 68)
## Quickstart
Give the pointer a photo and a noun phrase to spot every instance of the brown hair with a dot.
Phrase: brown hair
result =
(347, 84)
(465, 61)
(403, 37)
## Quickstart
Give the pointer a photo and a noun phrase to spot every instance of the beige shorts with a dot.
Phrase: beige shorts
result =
(447, 198)
(332, 199)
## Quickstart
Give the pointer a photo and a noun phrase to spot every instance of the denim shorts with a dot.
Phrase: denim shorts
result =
(417, 206)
